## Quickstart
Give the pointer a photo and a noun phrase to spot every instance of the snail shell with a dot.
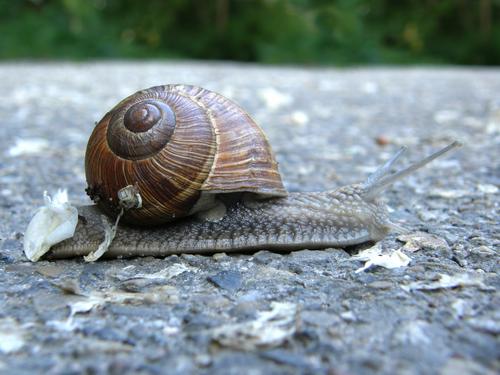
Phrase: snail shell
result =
(177, 145)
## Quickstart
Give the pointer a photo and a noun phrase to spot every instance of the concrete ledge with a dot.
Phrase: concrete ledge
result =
(328, 127)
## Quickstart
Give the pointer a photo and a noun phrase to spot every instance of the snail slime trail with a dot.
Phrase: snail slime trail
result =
(191, 171)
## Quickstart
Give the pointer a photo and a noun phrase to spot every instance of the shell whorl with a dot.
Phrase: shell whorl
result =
(141, 129)
(173, 142)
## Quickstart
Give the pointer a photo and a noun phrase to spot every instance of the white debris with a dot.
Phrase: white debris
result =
(170, 330)
(6, 192)
(447, 282)
(77, 307)
(445, 116)
(368, 253)
(86, 302)
(493, 127)
(448, 193)
(299, 118)
(487, 188)
(109, 235)
(413, 332)
(167, 273)
(51, 224)
(67, 325)
(269, 329)
(373, 257)
(28, 146)
(461, 308)
(164, 274)
(274, 99)
(369, 87)
(11, 336)
(348, 316)
(85, 306)
(94, 299)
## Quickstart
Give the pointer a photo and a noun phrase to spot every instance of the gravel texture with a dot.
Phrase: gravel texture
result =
(264, 313)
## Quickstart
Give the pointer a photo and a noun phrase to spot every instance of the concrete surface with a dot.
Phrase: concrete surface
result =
(264, 313)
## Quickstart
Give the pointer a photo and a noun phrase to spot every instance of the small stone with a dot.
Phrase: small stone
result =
(483, 251)
(265, 257)
(245, 309)
(9, 244)
(429, 215)
(450, 237)
(203, 360)
(382, 140)
(423, 241)
(138, 285)
(381, 284)
(486, 325)
(286, 358)
(459, 260)
(229, 280)
(462, 308)
(319, 318)
(220, 257)
(417, 269)
(50, 269)
(464, 366)
(413, 332)
(348, 316)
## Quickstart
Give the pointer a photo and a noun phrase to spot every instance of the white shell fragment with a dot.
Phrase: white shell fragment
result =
(12, 336)
(269, 329)
(54, 222)
(373, 257)
(448, 282)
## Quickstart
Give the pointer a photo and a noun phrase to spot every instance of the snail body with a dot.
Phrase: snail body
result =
(233, 200)
(320, 220)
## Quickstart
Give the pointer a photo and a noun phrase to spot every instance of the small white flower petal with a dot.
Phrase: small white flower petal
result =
(51, 224)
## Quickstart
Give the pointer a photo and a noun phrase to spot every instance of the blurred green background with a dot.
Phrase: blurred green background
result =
(317, 32)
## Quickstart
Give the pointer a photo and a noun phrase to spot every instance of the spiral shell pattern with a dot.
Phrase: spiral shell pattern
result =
(173, 142)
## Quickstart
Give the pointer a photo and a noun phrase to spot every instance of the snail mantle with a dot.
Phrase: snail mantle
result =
(176, 169)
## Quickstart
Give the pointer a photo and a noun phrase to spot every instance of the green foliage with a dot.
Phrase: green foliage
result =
(271, 31)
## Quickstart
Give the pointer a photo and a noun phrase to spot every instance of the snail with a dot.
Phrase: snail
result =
(188, 170)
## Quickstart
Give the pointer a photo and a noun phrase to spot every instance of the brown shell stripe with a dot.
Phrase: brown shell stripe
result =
(244, 160)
